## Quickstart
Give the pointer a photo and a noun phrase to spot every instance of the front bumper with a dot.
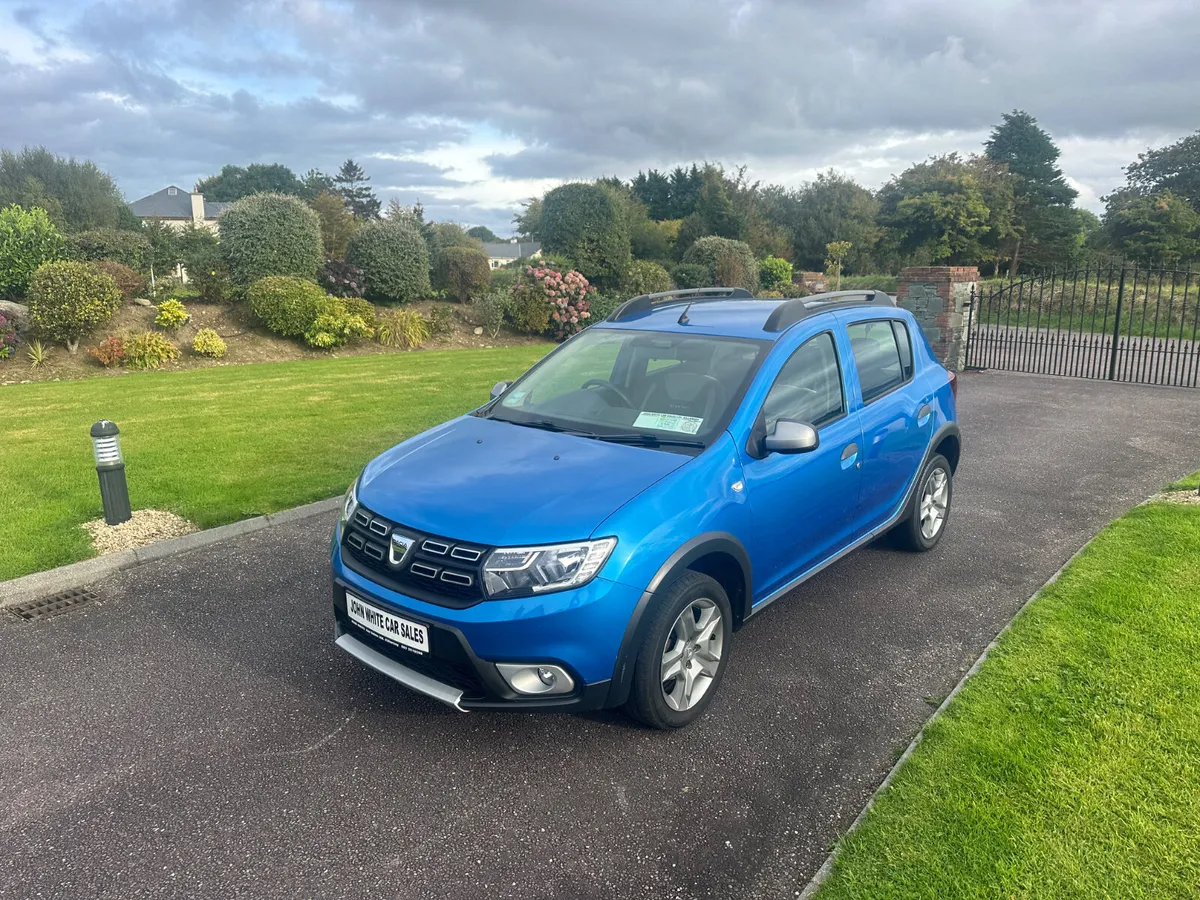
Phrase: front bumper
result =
(580, 630)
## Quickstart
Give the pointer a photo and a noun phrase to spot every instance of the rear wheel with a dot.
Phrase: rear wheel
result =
(682, 655)
(930, 510)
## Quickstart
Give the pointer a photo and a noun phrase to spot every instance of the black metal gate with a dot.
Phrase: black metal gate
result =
(1120, 323)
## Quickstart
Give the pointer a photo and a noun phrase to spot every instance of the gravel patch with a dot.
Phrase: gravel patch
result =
(1184, 498)
(146, 527)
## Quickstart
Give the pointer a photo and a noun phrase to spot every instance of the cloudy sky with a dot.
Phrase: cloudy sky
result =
(473, 105)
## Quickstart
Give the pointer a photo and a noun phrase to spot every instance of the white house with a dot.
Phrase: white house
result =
(178, 208)
(510, 251)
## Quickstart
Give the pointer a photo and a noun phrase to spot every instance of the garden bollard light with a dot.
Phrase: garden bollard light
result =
(110, 466)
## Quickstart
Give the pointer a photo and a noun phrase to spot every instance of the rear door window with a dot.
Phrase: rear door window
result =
(882, 365)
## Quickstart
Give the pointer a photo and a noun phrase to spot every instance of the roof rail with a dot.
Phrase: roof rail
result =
(646, 302)
(790, 312)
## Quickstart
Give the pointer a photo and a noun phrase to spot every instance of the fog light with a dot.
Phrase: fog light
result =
(536, 679)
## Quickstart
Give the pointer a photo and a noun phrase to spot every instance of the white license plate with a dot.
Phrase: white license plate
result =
(387, 626)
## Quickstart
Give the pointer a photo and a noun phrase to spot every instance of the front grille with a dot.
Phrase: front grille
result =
(446, 660)
(429, 567)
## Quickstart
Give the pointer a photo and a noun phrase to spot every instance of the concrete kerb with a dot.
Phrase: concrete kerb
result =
(89, 571)
(822, 873)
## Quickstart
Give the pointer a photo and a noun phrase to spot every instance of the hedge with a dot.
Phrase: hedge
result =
(394, 261)
(267, 235)
(27, 240)
(584, 222)
(730, 263)
(129, 248)
(67, 300)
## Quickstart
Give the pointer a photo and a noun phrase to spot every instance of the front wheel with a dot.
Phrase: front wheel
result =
(926, 522)
(683, 653)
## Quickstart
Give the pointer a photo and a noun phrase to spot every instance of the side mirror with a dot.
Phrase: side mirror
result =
(790, 436)
(499, 388)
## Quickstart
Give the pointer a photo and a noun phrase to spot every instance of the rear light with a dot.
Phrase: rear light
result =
(953, 384)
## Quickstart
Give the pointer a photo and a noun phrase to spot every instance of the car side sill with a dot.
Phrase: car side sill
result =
(422, 684)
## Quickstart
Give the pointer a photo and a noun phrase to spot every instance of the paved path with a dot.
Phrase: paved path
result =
(198, 735)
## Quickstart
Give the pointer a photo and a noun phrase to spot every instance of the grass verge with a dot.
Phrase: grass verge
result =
(217, 445)
(1068, 766)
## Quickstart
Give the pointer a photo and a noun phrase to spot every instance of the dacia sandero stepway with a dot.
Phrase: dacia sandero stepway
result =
(595, 534)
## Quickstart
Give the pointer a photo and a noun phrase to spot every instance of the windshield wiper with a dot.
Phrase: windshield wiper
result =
(648, 440)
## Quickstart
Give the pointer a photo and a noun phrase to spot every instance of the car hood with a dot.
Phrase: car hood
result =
(490, 482)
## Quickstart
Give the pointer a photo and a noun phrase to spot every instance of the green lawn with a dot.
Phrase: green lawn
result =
(1069, 766)
(221, 444)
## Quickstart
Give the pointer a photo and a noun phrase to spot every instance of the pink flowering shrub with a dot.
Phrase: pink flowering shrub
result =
(547, 301)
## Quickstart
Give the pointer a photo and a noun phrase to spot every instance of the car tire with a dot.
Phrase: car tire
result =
(931, 503)
(698, 652)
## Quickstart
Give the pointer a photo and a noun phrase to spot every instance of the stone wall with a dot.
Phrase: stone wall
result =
(939, 297)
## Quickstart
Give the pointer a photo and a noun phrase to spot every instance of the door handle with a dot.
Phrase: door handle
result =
(923, 414)
(850, 456)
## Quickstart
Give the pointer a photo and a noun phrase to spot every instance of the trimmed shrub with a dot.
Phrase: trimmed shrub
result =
(208, 343)
(645, 277)
(335, 326)
(265, 235)
(462, 272)
(130, 283)
(27, 240)
(504, 278)
(774, 273)
(172, 315)
(691, 275)
(548, 301)
(110, 352)
(357, 306)
(730, 263)
(403, 328)
(601, 306)
(129, 248)
(149, 350)
(584, 222)
(8, 337)
(69, 299)
(341, 279)
(287, 306)
(394, 261)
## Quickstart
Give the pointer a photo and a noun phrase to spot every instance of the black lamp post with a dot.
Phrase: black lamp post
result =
(110, 467)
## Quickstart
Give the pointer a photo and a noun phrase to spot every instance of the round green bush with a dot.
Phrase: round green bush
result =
(288, 306)
(584, 222)
(357, 306)
(270, 234)
(208, 343)
(69, 299)
(462, 272)
(394, 261)
(129, 248)
(691, 275)
(774, 273)
(730, 263)
(645, 277)
(27, 240)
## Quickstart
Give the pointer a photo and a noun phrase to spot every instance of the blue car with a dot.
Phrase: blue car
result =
(596, 533)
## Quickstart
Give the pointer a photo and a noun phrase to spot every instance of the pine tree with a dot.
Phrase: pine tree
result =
(1047, 227)
(353, 184)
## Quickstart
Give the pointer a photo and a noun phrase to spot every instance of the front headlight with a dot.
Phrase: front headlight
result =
(350, 504)
(516, 571)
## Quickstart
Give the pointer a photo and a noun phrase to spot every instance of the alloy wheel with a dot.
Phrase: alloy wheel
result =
(935, 499)
(692, 654)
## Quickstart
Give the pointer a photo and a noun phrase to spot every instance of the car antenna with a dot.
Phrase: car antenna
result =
(683, 316)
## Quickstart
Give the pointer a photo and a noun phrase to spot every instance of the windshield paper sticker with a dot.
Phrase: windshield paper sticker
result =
(668, 422)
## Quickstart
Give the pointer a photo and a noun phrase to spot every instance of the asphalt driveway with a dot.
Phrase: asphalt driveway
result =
(197, 734)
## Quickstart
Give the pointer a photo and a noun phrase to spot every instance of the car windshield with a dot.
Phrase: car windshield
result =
(652, 388)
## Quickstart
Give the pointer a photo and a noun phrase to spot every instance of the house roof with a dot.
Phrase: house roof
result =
(508, 250)
(172, 202)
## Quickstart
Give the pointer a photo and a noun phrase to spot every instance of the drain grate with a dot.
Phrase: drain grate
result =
(62, 602)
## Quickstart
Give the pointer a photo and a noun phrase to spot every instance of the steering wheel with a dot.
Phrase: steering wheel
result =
(610, 387)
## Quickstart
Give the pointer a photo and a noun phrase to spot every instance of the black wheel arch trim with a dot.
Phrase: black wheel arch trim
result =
(677, 563)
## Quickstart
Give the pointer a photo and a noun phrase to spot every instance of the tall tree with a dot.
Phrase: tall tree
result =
(654, 189)
(1046, 227)
(934, 212)
(235, 182)
(315, 181)
(76, 194)
(832, 208)
(1174, 168)
(355, 187)
(1159, 229)
(483, 233)
(337, 224)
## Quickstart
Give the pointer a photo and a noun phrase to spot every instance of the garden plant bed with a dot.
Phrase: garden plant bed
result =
(246, 339)
(222, 443)
(1067, 766)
